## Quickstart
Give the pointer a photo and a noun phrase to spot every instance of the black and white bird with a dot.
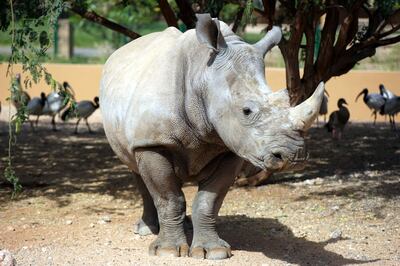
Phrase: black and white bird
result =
(338, 120)
(374, 101)
(55, 103)
(386, 93)
(35, 107)
(391, 108)
(83, 110)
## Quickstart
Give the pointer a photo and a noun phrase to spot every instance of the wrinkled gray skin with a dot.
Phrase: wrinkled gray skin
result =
(193, 106)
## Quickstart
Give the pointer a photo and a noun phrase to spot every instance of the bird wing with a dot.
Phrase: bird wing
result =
(387, 94)
(375, 101)
(84, 109)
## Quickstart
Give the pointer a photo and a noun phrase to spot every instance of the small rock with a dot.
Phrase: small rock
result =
(91, 225)
(335, 208)
(6, 258)
(68, 222)
(336, 234)
(106, 219)
(10, 228)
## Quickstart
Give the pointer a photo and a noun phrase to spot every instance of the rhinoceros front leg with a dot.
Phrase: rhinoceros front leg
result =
(148, 224)
(157, 173)
(206, 242)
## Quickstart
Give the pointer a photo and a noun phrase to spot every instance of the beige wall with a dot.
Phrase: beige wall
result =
(85, 81)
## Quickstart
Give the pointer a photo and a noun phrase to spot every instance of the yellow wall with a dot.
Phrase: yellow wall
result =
(84, 79)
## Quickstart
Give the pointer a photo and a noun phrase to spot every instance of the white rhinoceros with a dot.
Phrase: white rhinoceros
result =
(192, 106)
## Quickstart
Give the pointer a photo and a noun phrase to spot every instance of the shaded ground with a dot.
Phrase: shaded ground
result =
(343, 209)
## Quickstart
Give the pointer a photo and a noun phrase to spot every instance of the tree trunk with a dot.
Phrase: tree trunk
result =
(168, 13)
(186, 13)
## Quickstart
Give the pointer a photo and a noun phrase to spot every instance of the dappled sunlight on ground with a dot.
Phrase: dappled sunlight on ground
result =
(350, 188)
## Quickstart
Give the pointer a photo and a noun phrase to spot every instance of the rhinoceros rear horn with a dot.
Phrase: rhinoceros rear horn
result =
(304, 114)
(272, 38)
(209, 33)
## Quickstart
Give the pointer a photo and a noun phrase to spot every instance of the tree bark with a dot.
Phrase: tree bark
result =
(168, 13)
(186, 13)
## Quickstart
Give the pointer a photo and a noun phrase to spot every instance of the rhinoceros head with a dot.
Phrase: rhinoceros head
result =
(252, 121)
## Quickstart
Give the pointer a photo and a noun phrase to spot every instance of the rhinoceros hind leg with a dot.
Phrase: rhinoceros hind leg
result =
(206, 242)
(148, 224)
(158, 175)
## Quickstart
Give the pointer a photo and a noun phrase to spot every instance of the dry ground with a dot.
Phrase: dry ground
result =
(79, 204)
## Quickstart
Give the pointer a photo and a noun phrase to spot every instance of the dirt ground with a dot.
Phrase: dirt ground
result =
(79, 204)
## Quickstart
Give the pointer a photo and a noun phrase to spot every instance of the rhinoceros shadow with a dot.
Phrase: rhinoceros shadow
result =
(276, 241)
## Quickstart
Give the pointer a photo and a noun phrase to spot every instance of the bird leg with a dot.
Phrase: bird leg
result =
(76, 126)
(53, 122)
(339, 134)
(32, 127)
(37, 120)
(374, 114)
(87, 124)
(334, 133)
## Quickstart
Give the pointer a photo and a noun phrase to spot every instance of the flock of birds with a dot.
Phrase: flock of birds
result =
(53, 104)
(385, 103)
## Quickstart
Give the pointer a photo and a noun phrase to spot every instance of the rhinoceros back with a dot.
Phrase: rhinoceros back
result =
(136, 91)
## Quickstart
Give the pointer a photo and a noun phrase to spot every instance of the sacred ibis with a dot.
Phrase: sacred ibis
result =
(35, 107)
(374, 101)
(56, 102)
(83, 110)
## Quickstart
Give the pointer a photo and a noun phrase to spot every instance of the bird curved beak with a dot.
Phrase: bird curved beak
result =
(358, 96)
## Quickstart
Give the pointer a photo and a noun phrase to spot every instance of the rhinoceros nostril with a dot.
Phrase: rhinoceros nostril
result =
(277, 155)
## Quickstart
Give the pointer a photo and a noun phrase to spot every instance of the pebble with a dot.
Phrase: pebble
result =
(335, 208)
(91, 225)
(106, 219)
(10, 228)
(336, 234)
(68, 222)
(6, 258)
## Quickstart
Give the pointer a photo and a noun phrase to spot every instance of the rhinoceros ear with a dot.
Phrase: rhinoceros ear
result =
(272, 38)
(208, 32)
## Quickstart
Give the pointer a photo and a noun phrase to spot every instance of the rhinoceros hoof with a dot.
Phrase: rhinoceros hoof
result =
(181, 250)
(212, 251)
(143, 229)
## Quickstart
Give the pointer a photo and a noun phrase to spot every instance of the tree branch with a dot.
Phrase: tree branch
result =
(290, 53)
(348, 28)
(94, 17)
(238, 18)
(328, 34)
(269, 12)
(168, 13)
(186, 13)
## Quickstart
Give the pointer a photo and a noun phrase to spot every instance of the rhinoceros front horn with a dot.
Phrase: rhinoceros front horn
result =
(304, 114)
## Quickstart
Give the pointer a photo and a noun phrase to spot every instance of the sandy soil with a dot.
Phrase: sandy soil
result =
(79, 204)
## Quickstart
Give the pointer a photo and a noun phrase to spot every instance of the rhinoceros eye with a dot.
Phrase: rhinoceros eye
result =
(247, 111)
